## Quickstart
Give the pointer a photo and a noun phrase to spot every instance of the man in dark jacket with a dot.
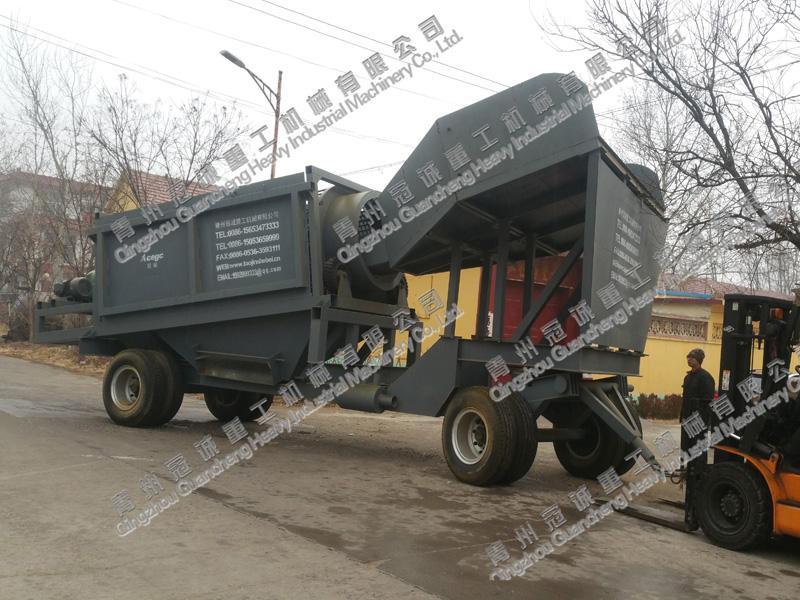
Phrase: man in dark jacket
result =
(698, 383)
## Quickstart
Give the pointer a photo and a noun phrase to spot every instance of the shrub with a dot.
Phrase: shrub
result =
(651, 406)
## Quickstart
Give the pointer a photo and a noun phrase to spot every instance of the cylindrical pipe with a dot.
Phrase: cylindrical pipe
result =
(367, 398)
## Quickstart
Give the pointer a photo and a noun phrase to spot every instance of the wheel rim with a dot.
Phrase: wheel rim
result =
(226, 400)
(728, 508)
(469, 436)
(589, 445)
(126, 388)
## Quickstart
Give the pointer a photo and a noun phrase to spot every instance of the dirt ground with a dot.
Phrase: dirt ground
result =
(65, 357)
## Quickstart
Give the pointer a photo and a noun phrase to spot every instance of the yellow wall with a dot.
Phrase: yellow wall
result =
(467, 302)
(122, 198)
(665, 366)
(662, 370)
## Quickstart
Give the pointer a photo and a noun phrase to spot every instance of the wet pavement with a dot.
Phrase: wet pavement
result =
(346, 505)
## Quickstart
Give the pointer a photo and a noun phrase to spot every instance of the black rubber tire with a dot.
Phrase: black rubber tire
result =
(172, 395)
(485, 435)
(225, 405)
(132, 388)
(622, 466)
(596, 453)
(733, 505)
(526, 445)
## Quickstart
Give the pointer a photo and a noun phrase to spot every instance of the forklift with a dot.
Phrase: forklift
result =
(751, 488)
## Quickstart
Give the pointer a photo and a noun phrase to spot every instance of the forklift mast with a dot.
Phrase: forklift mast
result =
(751, 322)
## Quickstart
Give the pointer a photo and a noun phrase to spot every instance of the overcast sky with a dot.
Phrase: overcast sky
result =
(171, 50)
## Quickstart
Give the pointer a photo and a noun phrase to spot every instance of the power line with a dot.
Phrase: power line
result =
(503, 85)
(255, 45)
(163, 77)
(171, 80)
(316, 64)
(352, 43)
(394, 164)
(229, 37)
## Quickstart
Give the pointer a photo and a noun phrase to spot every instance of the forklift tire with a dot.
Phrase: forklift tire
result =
(524, 451)
(131, 388)
(623, 466)
(478, 437)
(734, 506)
(594, 454)
(226, 405)
(172, 395)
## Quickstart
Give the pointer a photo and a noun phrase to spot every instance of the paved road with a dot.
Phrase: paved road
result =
(345, 506)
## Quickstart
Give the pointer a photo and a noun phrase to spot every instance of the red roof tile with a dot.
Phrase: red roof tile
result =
(701, 285)
(34, 180)
(155, 188)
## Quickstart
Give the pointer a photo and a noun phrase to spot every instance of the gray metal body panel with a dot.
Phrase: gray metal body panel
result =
(561, 191)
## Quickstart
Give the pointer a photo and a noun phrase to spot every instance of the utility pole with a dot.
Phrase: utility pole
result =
(268, 94)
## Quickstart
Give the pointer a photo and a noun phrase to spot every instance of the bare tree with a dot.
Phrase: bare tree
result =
(727, 64)
(6, 230)
(8, 264)
(179, 142)
(653, 127)
(773, 267)
(52, 94)
(28, 255)
(76, 144)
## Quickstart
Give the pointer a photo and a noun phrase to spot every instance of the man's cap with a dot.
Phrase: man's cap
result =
(697, 354)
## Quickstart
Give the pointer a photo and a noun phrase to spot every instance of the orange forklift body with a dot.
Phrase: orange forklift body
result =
(784, 488)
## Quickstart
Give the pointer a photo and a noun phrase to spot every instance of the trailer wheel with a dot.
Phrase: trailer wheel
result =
(595, 453)
(622, 465)
(734, 506)
(131, 387)
(478, 437)
(226, 405)
(172, 396)
(526, 445)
